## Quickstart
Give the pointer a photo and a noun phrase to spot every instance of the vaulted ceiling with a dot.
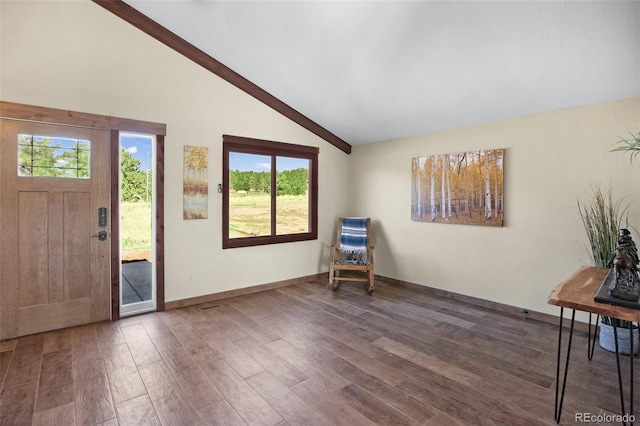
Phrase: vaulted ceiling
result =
(368, 71)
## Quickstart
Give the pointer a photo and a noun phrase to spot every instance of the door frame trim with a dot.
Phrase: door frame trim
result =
(114, 125)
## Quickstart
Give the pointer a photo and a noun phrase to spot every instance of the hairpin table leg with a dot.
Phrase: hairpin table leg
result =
(631, 356)
(615, 338)
(560, 396)
(591, 343)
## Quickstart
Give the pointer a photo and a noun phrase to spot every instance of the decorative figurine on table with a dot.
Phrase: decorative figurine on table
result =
(624, 259)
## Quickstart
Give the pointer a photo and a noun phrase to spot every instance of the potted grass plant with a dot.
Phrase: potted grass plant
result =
(631, 145)
(602, 219)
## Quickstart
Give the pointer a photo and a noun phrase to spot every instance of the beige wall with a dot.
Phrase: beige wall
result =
(550, 160)
(78, 56)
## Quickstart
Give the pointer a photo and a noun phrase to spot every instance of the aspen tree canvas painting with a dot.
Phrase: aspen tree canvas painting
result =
(195, 192)
(462, 188)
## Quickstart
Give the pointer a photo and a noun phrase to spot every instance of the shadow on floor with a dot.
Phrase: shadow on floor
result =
(136, 281)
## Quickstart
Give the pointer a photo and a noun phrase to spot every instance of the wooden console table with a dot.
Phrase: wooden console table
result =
(577, 293)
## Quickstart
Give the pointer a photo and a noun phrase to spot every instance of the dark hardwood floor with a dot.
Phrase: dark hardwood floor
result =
(304, 355)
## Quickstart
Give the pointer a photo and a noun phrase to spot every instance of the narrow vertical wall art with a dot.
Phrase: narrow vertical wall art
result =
(463, 188)
(195, 187)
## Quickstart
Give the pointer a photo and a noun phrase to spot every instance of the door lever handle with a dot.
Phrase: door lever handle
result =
(102, 236)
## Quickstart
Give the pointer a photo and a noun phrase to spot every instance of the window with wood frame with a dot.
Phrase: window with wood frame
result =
(270, 192)
(45, 156)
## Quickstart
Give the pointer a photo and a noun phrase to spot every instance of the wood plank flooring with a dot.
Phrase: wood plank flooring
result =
(304, 355)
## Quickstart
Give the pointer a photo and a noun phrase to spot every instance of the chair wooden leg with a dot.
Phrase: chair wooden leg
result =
(371, 278)
(337, 282)
(331, 285)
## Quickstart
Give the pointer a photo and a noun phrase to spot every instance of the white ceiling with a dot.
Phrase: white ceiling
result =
(375, 70)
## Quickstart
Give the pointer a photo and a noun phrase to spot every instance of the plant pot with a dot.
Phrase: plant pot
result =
(608, 343)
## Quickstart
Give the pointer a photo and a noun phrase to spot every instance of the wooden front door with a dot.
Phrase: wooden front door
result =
(54, 246)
